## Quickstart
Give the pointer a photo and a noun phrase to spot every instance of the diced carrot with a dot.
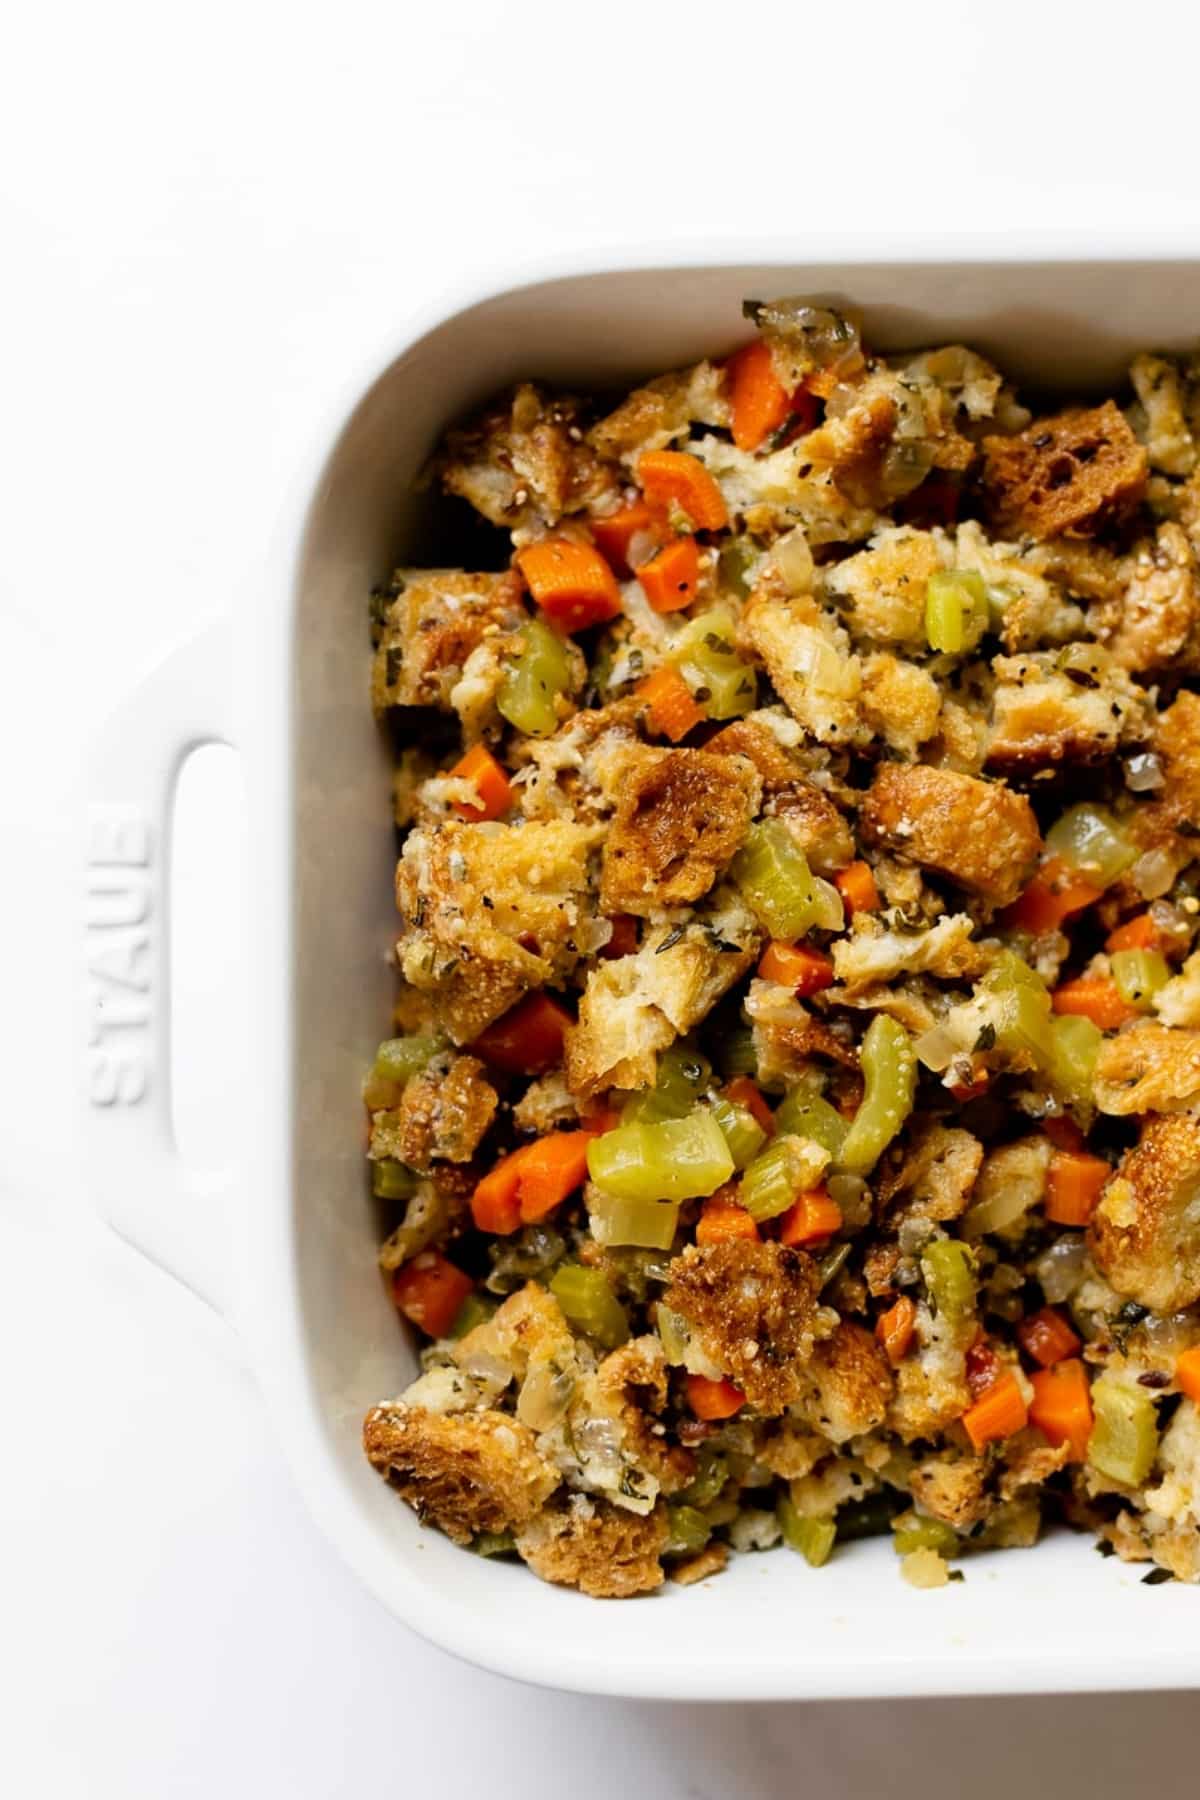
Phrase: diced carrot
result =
(710, 1399)
(671, 579)
(983, 1368)
(811, 1217)
(1047, 1338)
(722, 1219)
(1187, 1373)
(997, 1414)
(970, 1090)
(1063, 1133)
(856, 885)
(1061, 1407)
(495, 1205)
(1055, 892)
(552, 1168)
(1093, 997)
(571, 582)
(672, 480)
(615, 532)
(624, 939)
(670, 709)
(528, 1039)
(491, 784)
(429, 1290)
(760, 400)
(1074, 1182)
(792, 965)
(743, 1092)
(895, 1329)
(1138, 933)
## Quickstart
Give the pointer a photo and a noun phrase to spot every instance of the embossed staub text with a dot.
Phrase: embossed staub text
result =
(119, 924)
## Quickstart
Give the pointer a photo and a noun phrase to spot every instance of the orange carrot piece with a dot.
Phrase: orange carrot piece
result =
(429, 1290)
(760, 400)
(1055, 892)
(495, 1205)
(1061, 1407)
(526, 1040)
(671, 711)
(571, 582)
(811, 1217)
(1138, 933)
(970, 1090)
(996, 1414)
(793, 965)
(895, 1328)
(983, 1367)
(1063, 1133)
(856, 885)
(741, 1091)
(624, 939)
(615, 532)
(1093, 997)
(671, 579)
(721, 1220)
(1187, 1373)
(1047, 1338)
(1074, 1182)
(491, 784)
(672, 480)
(552, 1168)
(713, 1399)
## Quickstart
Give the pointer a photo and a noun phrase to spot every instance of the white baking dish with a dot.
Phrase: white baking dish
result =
(321, 1331)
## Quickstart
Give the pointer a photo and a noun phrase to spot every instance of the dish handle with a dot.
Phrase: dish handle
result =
(176, 1215)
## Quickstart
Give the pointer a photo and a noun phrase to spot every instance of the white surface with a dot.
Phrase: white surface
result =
(201, 213)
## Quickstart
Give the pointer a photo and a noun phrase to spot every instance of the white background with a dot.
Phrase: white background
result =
(209, 215)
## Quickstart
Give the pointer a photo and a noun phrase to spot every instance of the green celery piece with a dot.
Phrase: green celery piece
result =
(399, 1059)
(956, 610)
(949, 1270)
(741, 1130)
(773, 1180)
(737, 1054)
(1074, 1046)
(475, 1310)
(687, 1531)
(1139, 974)
(391, 1180)
(1124, 1440)
(773, 874)
(493, 1543)
(912, 1532)
(804, 1112)
(869, 1517)
(682, 1077)
(812, 1538)
(589, 1304)
(617, 1220)
(712, 1473)
(889, 1067)
(1093, 842)
(706, 657)
(533, 680)
(673, 1159)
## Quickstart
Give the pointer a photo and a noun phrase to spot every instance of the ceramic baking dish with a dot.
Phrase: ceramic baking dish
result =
(302, 1280)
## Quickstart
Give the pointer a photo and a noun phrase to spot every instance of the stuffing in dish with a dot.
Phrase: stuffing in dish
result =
(791, 1127)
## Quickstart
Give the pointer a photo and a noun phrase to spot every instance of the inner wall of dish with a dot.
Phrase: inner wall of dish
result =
(1067, 326)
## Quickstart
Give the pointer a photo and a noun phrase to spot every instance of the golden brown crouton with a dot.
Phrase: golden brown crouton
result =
(1029, 1462)
(1145, 1233)
(600, 1549)
(1177, 1002)
(786, 1035)
(759, 745)
(951, 1488)
(849, 1384)
(881, 591)
(873, 953)
(1069, 475)
(754, 1308)
(977, 833)
(792, 1449)
(490, 910)
(464, 1472)
(546, 1104)
(525, 460)
(1148, 1067)
(443, 1112)
(631, 1384)
(1177, 741)
(709, 1561)
(680, 817)
(808, 657)
(653, 416)
(852, 444)
(1156, 623)
(1012, 1180)
(1169, 443)
(817, 826)
(935, 1177)
(900, 702)
(439, 617)
(1043, 714)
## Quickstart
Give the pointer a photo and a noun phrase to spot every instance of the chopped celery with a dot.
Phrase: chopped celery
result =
(399, 1059)
(956, 610)
(734, 564)
(682, 1077)
(534, 679)
(712, 1473)
(741, 1130)
(1074, 1046)
(869, 1517)
(1124, 1440)
(889, 1067)
(828, 912)
(1092, 841)
(687, 1531)
(804, 1112)
(708, 661)
(737, 1053)
(1139, 974)
(473, 1311)
(589, 1304)
(493, 1543)
(1022, 1019)
(673, 1159)
(616, 1219)
(673, 1331)
(773, 1180)
(391, 1180)
(833, 1262)
(813, 1538)
(949, 1270)
(773, 874)
(913, 1532)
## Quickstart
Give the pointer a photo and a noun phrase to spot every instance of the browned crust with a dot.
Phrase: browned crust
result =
(979, 834)
(444, 1112)
(935, 1176)
(600, 1549)
(951, 1488)
(432, 628)
(1146, 1068)
(754, 1308)
(1145, 1233)
(463, 1472)
(1068, 475)
(680, 818)
(851, 1381)
(709, 1561)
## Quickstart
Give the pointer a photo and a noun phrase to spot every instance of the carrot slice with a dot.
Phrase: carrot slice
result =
(528, 1039)
(895, 1328)
(721, 1220)
(760, 400)
(429, 1290)
(1138, 933)
(552, 1168)
(1093, 997)
(811, 1217)
(671, 711)
(713, 1399)
(742, 1092)
(615, 532)
(1061, 1407)
(1055, 892)
(674, 481)
(1074, 1182)
(1063, 1133)
(1047, 1338)
(671, 579)
(571, 582)
(491, 784)
(1187, 1373)
(792, 965)
(996, 1414)
(856, 885)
